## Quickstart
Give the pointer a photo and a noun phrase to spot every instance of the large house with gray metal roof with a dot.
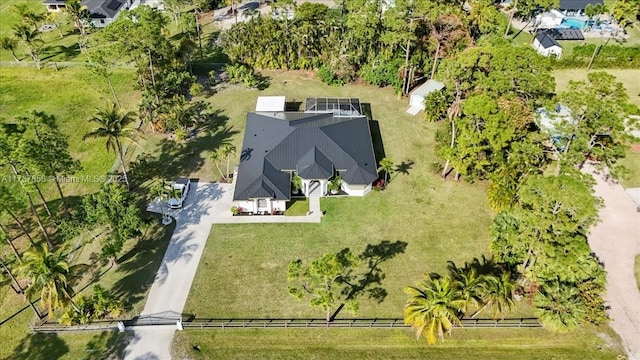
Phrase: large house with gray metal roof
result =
(330, 138)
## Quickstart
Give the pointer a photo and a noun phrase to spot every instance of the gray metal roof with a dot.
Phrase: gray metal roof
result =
(546, 40)
(276, 144)
(314, 165)
(104, 9)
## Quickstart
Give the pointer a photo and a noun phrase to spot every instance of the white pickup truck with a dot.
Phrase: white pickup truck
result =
(181, 186)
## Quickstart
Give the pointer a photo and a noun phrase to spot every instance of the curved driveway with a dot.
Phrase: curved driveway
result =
(616, 242)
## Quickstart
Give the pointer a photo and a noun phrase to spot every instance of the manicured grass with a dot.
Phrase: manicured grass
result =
(298, 207)
(438, 220)
(391, 344)
(628, 78)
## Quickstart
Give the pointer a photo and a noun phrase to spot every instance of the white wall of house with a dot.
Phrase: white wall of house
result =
(355, 190)
(262, 205)
(554, 50)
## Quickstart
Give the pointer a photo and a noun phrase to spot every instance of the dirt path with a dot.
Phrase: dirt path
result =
(616, 242)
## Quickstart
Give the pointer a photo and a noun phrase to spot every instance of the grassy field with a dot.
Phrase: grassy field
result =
(77, 94)
(385, 344)
(628, 78)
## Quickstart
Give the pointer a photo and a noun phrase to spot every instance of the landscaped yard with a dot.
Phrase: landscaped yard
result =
(420, 222)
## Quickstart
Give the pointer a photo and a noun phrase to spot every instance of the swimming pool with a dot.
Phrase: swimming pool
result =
(573, 23)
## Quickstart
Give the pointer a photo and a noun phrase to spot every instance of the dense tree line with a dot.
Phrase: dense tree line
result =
(363, 38)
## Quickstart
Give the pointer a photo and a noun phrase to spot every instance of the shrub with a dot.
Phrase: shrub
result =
(196, 89)
(242, 73)
(383, 72)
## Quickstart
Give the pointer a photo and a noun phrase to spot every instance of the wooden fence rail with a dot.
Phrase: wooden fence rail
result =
(219, 323)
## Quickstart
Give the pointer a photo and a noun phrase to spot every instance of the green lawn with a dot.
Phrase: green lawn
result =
(297, 207)
(438, 220)
(71, 95)
(385, 344)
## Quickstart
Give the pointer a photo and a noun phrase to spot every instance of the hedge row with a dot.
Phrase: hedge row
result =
(610, 56)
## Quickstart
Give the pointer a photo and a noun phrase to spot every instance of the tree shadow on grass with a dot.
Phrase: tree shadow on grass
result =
(108, 345)
(40, 347)
(174, 160)
(141, 263)
(368, 280)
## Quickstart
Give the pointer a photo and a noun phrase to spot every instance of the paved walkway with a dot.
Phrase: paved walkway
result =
(206, 204)
(616, 242)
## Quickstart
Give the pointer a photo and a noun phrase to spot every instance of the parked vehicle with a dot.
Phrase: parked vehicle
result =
(180, 190)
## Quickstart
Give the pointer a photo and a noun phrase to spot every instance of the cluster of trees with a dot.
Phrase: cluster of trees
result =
(367, 38)
(141, 36)
(28, 33)
(34, 154)
(545, 204)
(437, 303)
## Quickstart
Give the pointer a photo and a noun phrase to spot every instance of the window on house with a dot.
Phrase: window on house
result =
(262, 203)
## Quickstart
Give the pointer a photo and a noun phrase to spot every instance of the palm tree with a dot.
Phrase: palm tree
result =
(217, 156)
(9, 43)
(559, 307)
(499, 293)
(31, 39)
(78, 12)
(227, 151)
(386, 166)
(113, 125)
(433, 308)
(50, 276)
(469, 286)
(28, 16)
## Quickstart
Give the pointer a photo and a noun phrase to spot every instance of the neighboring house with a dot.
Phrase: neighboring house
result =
(546, 45)
(102, 12)
(331, 138)
(576, 7)
(416, 99)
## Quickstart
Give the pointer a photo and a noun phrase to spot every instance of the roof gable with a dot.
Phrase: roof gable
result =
(315, 145)
(314, 165)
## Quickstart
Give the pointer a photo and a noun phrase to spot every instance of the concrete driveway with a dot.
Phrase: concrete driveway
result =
(616, 242)
(171, 286)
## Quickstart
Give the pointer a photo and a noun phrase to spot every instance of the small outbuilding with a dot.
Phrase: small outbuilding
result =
(270, 104)
(546, 45)
(417, 96)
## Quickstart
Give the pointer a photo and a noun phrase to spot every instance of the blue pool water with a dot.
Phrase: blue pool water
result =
(573, 23)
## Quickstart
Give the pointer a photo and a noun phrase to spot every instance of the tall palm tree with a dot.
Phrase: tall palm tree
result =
(9, 204)
(499, 293)
(31, 39)
(228, 150)
(28, 16)
(433, 308)
(78, 12)
(387, 166)
(9, 43)
(50, 276)
(217, 156)
(114, 126)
